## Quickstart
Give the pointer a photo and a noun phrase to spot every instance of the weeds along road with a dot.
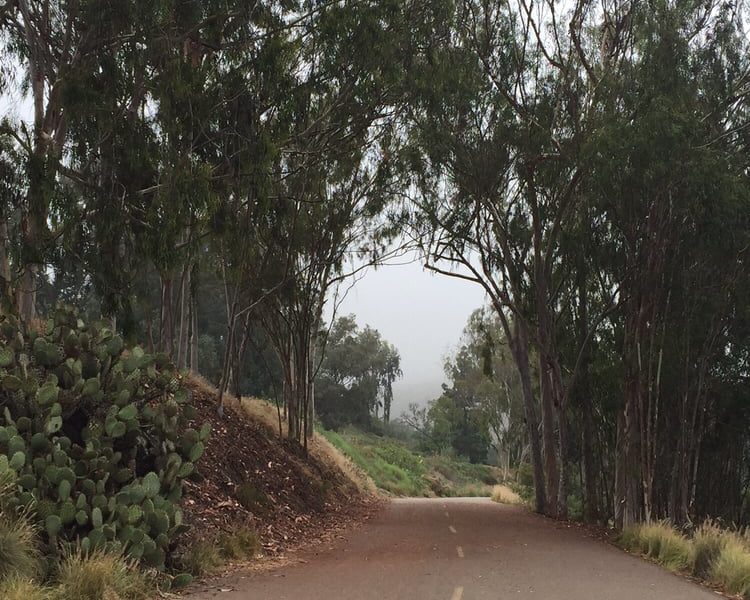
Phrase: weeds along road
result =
(463, 549)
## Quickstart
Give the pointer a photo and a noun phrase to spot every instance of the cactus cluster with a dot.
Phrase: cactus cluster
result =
(95, 435)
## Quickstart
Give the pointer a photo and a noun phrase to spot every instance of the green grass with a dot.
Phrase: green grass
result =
(400, 471)
(708, 542)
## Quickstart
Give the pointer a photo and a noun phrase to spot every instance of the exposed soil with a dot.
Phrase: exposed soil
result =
(293, 498)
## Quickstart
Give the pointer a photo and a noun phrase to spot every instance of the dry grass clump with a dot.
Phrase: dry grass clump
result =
(504, 495)
(708, 542)
(241, 544)
(23, 588)
(264, 412)
(717, 555)
(100, 575)
(19, 554)
(731, 568)
(201, 559)
(661, 543)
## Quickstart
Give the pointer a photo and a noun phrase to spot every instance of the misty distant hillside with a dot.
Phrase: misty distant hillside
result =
(406, 392)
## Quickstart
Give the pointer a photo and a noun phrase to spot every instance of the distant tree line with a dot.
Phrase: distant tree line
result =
(354, 385)
(479, 415)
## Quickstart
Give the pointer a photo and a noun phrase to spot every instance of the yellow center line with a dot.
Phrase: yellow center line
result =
(457, 593)
(453, 529)
(460, 551)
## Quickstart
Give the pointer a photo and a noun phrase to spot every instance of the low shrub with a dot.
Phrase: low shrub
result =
(504, 495)
(101, 575)
(731, 568)
(242, 544)
(708, 542)
(201, 558)
(23, 588)
(251, 497)
(659, 542)
(19, 554)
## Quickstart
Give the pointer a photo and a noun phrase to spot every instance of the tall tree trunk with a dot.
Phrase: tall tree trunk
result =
(167, 324)
(193, 335)
(520, 349)
(6, 285)
(549, 441)
(591, 493)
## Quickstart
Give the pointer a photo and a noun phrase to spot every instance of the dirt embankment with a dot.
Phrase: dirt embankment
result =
(250, 477)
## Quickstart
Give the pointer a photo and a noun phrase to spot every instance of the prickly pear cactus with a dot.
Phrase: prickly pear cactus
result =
(95, 435)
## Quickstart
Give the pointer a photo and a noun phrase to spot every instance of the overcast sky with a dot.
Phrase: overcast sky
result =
(420, 313)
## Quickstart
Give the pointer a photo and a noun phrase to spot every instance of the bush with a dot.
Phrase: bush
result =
(708, 542)
(504, 495)
(525, 475)
(21, 588)
(661, 543)
(239, 545)
(96, 434)
(731, 568)
(252, 497)
(100, 575)
(202, 558)
(19, 555)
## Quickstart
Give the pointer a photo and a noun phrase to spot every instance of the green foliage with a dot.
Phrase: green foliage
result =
(398, 470)
(356, 376)
(101, 435)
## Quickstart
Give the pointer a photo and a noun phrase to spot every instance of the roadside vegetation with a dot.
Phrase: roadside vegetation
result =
(203, 180)
(716, 555)
(403, 471)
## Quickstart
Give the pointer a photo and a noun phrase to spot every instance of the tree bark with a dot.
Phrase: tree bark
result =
(519, 347)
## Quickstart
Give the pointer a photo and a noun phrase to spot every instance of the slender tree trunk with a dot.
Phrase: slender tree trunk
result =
(167, 324)
(591, 492)
(549, 441)
(520, 349)
(6, 291)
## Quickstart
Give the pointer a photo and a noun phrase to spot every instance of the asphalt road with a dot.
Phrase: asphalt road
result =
(463, 549)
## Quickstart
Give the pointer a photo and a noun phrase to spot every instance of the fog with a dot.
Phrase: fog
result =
(422, 314)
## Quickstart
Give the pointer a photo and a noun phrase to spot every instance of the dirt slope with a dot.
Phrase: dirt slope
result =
(249, 477)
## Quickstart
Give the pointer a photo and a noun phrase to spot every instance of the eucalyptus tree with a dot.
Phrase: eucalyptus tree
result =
(56, 46)
(356, 375)
(556, 165)
(502, 141)
(331, 176)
